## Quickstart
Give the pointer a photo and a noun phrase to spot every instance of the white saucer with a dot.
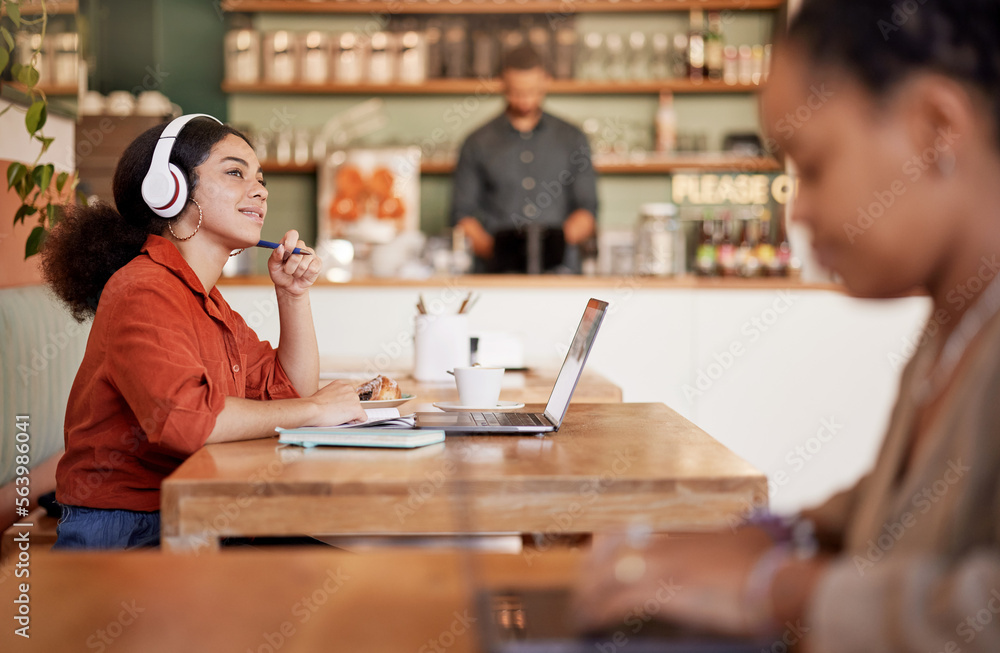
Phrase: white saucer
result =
(455, 406)
(387, 403)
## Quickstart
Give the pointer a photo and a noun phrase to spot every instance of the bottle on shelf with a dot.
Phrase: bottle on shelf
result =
(766, 254)
(679, 56)
(741, 253)
(747, 263)
(696, 46)
(714, 48)
(731, 65)
(757, 65)
(659, 65)
(666, 124)
(617, 62)
(726, 251)
(784, 261)
(706, 262)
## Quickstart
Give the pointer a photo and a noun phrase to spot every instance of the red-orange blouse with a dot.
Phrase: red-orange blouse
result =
(161, 358)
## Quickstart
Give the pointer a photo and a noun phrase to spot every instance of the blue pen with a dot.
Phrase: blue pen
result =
(270, 245)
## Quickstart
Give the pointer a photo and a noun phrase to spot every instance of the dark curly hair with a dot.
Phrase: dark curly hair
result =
(93, 242)
(883, 42)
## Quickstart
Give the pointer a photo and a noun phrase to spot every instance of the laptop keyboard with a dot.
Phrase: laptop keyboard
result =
(507, 419)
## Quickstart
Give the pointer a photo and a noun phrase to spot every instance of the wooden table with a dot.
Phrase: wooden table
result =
(299, 601)
(609, 466)
(530, 387)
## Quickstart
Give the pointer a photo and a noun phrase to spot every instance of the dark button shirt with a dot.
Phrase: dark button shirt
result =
(510, 180)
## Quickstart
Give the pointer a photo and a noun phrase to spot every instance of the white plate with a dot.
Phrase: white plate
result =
(387, 403)
(455, 406)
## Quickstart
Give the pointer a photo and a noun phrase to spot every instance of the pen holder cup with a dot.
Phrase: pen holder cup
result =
(440, 344)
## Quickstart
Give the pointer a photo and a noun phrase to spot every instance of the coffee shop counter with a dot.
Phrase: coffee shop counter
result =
(796, 378)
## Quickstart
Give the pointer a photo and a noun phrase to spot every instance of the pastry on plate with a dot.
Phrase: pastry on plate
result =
(380, 388)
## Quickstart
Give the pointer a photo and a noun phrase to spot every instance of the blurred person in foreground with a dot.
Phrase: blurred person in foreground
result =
(899, 173)
(525, 175)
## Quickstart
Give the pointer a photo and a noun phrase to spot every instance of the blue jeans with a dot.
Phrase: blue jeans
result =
(97, 528)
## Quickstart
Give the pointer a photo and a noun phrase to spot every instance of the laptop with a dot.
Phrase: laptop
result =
(555, 409)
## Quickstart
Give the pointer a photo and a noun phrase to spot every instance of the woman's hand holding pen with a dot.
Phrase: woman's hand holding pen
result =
(293, 273)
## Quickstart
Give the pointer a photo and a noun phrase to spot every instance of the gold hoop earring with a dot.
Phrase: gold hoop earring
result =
(201, 215)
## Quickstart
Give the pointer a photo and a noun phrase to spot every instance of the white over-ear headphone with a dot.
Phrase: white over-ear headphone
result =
(164, 188)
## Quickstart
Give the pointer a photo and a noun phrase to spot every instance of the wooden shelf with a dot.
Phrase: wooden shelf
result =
(52, 7)
(653, 165)
(556, 7)
(490, 86)
(70, 89)
(48, 89)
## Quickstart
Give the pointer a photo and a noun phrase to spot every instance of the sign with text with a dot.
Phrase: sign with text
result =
(739, 189)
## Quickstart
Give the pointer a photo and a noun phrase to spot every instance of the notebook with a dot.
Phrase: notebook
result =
(368, 437)
(559, 397)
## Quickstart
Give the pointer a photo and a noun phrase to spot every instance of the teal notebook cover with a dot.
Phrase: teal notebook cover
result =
(368, 437)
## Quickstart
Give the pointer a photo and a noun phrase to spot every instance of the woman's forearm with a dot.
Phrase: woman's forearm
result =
(298, 351)
(249, 419)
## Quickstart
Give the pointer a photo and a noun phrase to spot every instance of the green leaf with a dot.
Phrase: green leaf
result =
(4, 58)
(61, 181)
(23, 187)
(8, 38)
(23, 212)
(46, 142)
(35, 241)
(43, 176)
(28, 76)
(35, 118)
(55, 214)
(15, 173)
(81, 197)
(14, 11)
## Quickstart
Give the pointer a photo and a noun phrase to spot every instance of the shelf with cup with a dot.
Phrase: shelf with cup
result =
(556, 7)
(492, 86)
(653, 164)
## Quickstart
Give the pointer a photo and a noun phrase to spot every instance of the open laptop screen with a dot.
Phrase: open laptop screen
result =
(572, 366)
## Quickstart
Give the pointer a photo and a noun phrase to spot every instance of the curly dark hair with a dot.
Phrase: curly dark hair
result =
(93, 242)
(883, 42)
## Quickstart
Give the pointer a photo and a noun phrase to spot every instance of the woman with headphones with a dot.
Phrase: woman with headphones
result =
(169, 366)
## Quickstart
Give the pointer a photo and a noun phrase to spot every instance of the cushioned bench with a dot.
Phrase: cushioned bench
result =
(42, 346)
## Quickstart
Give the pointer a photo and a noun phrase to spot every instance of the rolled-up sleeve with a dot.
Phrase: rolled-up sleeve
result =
(154, 362)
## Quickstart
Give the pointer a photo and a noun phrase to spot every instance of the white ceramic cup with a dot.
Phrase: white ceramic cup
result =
(479, 387)
(120, 103)
(152, 103)
(440, 343)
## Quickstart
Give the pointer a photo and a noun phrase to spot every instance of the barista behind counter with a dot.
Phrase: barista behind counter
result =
(524, 187)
